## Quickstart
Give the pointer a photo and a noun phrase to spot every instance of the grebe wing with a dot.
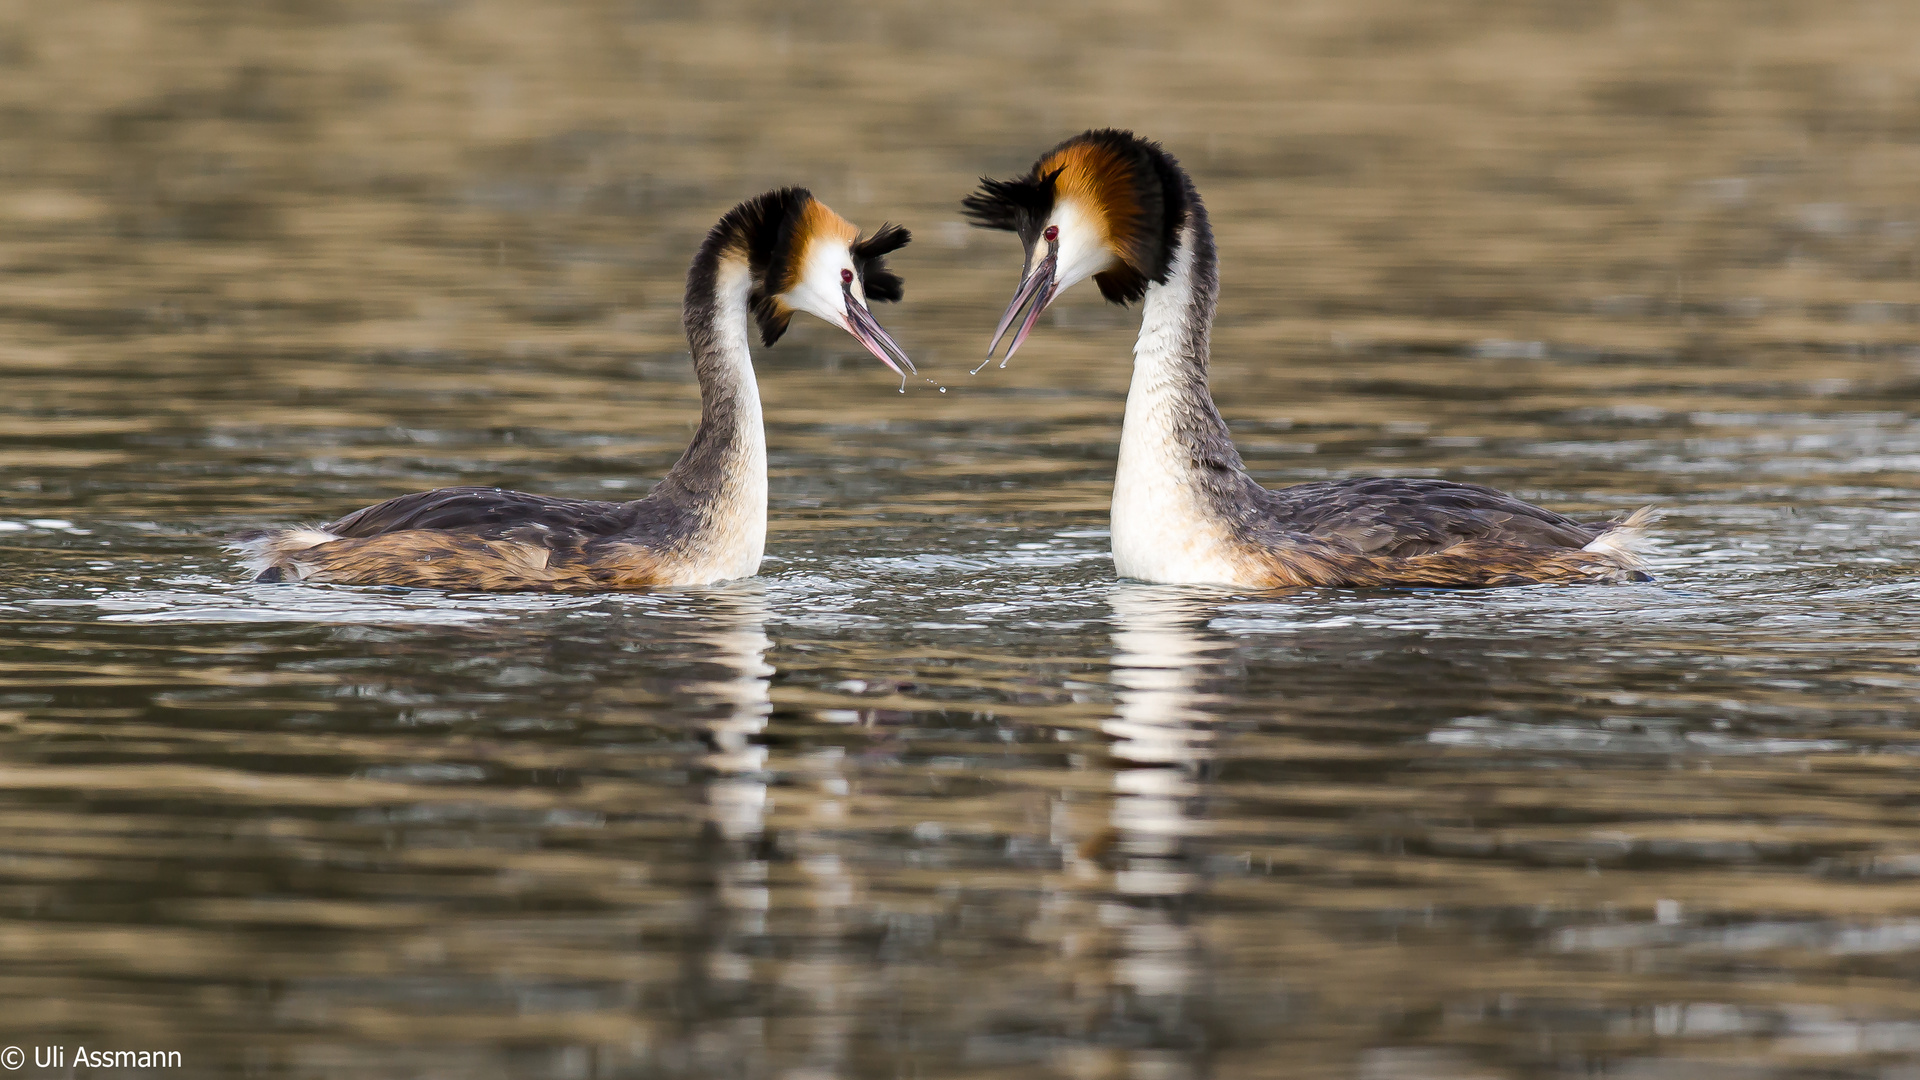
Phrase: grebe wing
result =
(484, 511)
(1406, 517)
(476, 538)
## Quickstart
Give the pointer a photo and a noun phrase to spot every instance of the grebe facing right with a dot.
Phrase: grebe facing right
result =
(706, 521)
(1119, 209)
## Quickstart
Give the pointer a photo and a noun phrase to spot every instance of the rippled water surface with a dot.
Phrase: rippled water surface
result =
(935, 795)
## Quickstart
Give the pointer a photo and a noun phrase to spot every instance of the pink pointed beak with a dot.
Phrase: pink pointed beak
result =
(867, 331)
(1035, 293)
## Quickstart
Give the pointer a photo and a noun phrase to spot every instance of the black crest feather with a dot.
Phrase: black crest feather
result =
(870, 260)
(1020, 205)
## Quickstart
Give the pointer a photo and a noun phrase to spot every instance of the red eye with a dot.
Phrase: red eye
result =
(846, 277)
(1052, 233)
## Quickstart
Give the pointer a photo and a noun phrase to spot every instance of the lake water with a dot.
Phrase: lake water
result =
(935, 795)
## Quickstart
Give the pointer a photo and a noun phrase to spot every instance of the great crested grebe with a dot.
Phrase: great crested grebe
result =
(706, 521)
(1119, 209)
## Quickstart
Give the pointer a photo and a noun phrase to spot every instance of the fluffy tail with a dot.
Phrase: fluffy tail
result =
(269, 554)
(1627, 539)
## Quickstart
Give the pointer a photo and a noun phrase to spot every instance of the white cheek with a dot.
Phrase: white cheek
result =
(819, 291)
(1083, 251)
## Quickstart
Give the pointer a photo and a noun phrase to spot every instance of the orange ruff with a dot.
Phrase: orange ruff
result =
(1096, 177)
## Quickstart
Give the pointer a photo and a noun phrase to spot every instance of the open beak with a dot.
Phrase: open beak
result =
(861, 324)
(1036, 292)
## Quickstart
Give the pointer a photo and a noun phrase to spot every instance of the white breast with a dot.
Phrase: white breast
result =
(736, 537)
(1159, 533)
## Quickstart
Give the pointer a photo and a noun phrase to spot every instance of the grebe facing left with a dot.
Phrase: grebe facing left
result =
(706, 521)
(1116, 208)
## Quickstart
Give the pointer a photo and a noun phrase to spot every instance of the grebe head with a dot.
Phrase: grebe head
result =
(805, 257)
(1105, 205)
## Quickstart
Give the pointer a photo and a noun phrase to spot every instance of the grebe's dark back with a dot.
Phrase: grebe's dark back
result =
(1119, 209)
(706, 521)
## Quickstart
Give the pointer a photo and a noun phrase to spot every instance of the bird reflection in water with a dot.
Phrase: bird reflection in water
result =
(1162, 747)
(737, 794)
(735, 765)
(738, 809)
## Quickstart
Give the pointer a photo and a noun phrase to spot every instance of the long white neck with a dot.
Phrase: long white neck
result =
(1178, 471)
(723, 474)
